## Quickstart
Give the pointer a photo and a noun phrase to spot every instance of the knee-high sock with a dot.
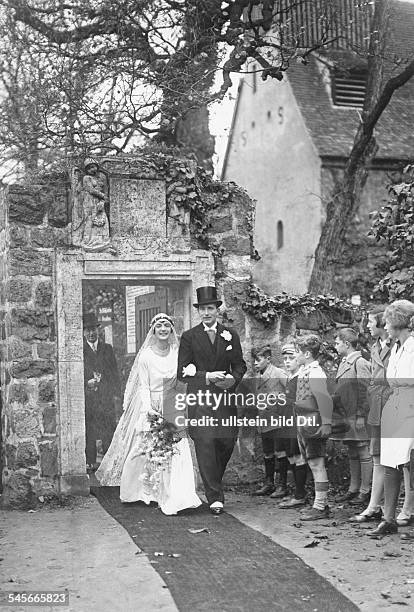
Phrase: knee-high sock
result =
(365, 460)
(355, 471)
(354, 468)
(408, 506)
(377, 491)
(392, 483)
(269, 464)
(283, 469)
(320, 477)
(300, 472)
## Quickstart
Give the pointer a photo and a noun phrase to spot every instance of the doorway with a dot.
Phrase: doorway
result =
(173, 278)
(123, 310)
(146, 307)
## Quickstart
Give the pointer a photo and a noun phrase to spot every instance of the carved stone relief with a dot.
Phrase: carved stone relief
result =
(90, 224)
(125, 213)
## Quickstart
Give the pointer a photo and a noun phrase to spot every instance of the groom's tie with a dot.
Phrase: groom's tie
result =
(211, 335)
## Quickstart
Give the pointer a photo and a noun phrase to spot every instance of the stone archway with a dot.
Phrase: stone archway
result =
(71, 269)
(48, 249)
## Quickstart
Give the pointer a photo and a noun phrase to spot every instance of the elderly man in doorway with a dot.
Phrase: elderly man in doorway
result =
(102, 389)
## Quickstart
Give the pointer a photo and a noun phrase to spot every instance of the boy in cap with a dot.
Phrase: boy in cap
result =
(270, 380)
(297, 462)
(313, 399)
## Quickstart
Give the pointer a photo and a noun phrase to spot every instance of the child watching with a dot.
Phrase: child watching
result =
(313, 399)
(270, 380)
(298, 464)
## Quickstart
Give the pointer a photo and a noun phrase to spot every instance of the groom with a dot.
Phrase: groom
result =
(210, 360)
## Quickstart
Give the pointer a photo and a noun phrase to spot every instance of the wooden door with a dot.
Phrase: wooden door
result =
(146, 307)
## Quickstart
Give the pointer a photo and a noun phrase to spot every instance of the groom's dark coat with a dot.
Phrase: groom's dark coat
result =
(225, 354)
(213, 444)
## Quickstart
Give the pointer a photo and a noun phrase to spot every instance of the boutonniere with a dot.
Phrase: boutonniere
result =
(229, 347)
(226, 335)
(189, 370)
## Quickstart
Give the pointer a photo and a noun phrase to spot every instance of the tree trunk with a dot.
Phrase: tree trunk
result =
(184, 113)
(193, 135)
(31, 163)
(345, 199)
(340, 212)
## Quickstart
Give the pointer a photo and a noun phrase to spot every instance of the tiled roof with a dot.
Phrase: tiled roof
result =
(332, 129)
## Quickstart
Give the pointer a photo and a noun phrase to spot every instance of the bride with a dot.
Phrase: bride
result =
(133, 461)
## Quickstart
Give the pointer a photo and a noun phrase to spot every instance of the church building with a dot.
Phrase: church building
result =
(290, 140)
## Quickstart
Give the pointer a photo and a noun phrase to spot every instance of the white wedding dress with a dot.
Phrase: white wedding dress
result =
(125, 464)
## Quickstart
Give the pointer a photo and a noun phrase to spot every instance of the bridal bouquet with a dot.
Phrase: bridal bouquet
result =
(159, 445)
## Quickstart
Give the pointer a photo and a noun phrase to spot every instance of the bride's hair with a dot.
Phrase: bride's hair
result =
(161, 316)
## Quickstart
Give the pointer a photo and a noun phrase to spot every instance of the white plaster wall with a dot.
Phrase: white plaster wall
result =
(274, 159)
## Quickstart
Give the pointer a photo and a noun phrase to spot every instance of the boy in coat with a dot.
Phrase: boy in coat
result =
(352, 380)
(270, 380)
(297, 462)
(313, 399)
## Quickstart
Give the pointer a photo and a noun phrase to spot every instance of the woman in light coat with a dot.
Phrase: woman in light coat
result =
(397, 422)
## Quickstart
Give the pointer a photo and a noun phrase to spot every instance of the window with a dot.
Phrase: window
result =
(279, 235)
(349, 87)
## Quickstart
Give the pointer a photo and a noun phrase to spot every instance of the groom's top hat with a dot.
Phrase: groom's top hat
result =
(207, 295)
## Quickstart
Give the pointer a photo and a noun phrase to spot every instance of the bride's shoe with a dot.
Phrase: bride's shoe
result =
(216, 508)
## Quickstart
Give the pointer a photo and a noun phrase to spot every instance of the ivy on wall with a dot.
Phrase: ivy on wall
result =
(393, 225)
(267, 309)
(191, 189)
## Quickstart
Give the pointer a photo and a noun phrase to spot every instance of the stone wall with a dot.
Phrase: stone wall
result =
(3, 286)
(40, 433)
(35, 234)
(33, 224)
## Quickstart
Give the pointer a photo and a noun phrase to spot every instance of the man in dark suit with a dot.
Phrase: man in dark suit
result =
(102, 389)
(210, 360)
